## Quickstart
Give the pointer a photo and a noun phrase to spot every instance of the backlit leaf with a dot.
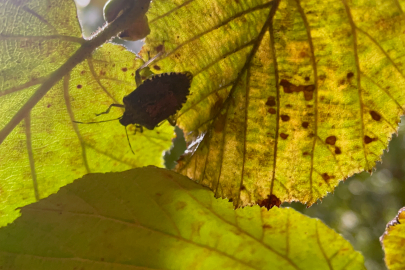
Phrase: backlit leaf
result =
(153, 218)
(289, 96)
(44, 86)
(393, 242)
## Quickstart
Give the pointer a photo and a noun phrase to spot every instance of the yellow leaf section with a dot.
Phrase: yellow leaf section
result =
(36, 38)
(47, 150)
(393, 242)
(101, 80)
(289, 97)
(150, 218)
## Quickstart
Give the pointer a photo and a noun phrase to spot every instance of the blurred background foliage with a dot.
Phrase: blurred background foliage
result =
(360, 207)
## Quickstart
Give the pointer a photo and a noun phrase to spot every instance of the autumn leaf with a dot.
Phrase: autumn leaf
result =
(393, 242)
(50, 77)
(289, 97)
(152, 218)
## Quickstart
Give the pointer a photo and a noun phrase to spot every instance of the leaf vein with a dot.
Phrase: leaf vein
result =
(358, 78)
(318, 240)
(171, 11)
(97, 78)
(227, 222)
(72, 118)
(205, 97)
(27, 122)
(314, 67)
(382, 50)
(79, 260)
(22, 86)
(247, 87)
(384, 90)
(41, 38)
(195, 37)
(143, 227)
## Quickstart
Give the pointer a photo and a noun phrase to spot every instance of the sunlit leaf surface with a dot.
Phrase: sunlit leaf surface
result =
(393, 242)
(153, 218)
(39, 41)
(289, 97)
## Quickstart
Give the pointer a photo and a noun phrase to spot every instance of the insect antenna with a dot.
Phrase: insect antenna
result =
(128, 140)
(97, 121)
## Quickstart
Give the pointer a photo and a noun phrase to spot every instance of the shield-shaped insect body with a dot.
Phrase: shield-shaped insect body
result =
(156, 99)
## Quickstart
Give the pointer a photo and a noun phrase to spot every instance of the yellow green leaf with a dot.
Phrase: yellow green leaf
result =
(150, 218)
(289, 97)
(393, 242)
(51, 77)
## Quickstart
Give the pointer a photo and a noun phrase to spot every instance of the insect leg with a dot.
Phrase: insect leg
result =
(109, 108)
(128, 140)
(140, 128)
(138, 79)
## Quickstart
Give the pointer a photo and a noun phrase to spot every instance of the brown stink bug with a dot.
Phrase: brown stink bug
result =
(156, 99)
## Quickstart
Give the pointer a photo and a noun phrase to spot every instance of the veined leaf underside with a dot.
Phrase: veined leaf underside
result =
(289, 97)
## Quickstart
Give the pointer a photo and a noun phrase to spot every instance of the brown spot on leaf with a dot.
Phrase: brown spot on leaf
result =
(102, 73)
(156, 67)
(242, 187)
(307, 78)
(217, 107)
(124, 69)
(375, 115)
(82, 72)
(180, 205)
(79, 86)
(342, 82)
(159, 48)
(285, 118)
(303, 54)
(220, 123)
(284, 136)
(368, 139)
(327, 177)
(309, 106)
(337, 151)
(305, 124)
(272, 111)
(49, 105)
(271, 101)
(290, 88)
(350, 75)
(305, 153)
(271, 201)
(288, 106)
(331, 140)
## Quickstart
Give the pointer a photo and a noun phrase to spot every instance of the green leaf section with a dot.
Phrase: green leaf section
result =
(289, 96)
(152, 218)
(393, 242)
(45, 85)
